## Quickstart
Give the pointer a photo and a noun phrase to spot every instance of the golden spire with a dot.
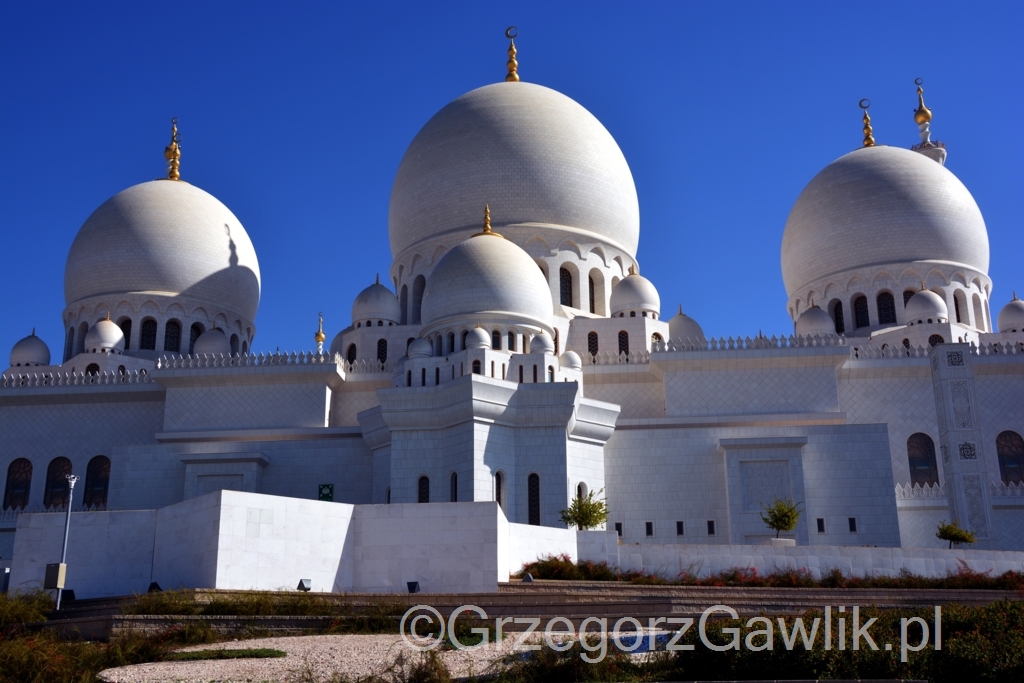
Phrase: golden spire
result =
(513, 66)
(173, 152)
(487, 224)
(632, 270)
(923, 113)
(869, 141)
(320, 337)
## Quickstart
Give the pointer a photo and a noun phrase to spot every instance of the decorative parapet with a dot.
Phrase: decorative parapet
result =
(74, 379)
(273, 359)
(750, 343)
(608, 358)
(998, 348)
(998, 489)
(919, 492)
(11, 514)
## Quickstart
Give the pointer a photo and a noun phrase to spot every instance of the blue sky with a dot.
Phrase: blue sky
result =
(296, 116)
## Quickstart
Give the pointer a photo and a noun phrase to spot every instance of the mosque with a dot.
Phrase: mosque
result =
(514, 357)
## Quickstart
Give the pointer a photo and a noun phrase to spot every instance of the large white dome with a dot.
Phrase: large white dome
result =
(533, 154)
(167, 238)
(881, 205)
(486, 279)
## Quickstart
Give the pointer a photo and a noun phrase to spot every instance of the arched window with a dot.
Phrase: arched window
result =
(147, 337)
(921, 456)
(92, 369)
(126, 330)
(534, 374)
(533, 498)
(551, 373)
(656, 341)
(234, 344)
(408, 378)
(418, 286)
(979, 313)
(382, 350)
(906, 344)
(496, 340)
(193, 334)
(935, 339)
(476, 367)
(581, 490)
(69, 344)
(590, 287)
(423, 377)
(565, 287)
(451, 343)
(404, 305)
(245, 348)
(56, 492)
(632, 314)
(438, 345)
(80, 339)
(462, 342)
(837, 316)
(387, 496)
(350, 353)
(380, 323)
(97, 481)
(437, 376)
(172, 336)
(19, 482)
(453, 488)
(959, 305)
(860, 312)
(120, 369)
(624, 342)
(886, 308)
(499, 490)
(592, 347)
(1010, 449)
(520, 374)
(423, 490)
(511, 340)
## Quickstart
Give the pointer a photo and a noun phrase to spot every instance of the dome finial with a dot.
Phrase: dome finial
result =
(108, 316)
(487, 224)
(632, 270)
(1014, 298)
(513, 66)
(869, 141)
(923, 114)
(173, 152)
(320, 337)
(378, 279)
(680, 309)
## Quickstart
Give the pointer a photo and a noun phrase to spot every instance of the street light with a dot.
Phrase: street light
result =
(72, 480)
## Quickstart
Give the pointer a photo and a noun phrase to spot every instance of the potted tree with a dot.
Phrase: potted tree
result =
(586, 512)
(781, 515)
(954, 534)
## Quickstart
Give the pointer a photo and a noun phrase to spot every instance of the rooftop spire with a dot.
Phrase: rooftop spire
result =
(934, 150)
(173, 152)
(378, 278)
(320, 337)
(513, 66)
(869, 140)
(487, 224)
(923, 114)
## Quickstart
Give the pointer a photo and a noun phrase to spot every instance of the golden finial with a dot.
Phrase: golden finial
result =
(923, 113)
(869, 141)
(173, 152)
(487, 224)
(320, 337)
(513, 66)
(632, 270)
(108, 316)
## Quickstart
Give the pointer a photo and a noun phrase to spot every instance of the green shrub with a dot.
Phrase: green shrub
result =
(18, 609)
(781, 515)
(954, 534)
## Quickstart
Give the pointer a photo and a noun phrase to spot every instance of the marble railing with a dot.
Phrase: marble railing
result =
(750, 343)
(999, 489)
(73, 379)
(918, 491)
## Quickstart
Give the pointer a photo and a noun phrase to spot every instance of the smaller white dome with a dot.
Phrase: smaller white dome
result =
(104, 337)
(420, 348)
(682, 326)
(926, 306)
(376, 302)
(635, 293)
(815, 321)
(477, 338)
(542, 343)
(1011, 318)
(213, 342)
(571, 360)
(30, 351)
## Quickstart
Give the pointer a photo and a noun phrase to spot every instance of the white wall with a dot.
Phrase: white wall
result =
(528, 543)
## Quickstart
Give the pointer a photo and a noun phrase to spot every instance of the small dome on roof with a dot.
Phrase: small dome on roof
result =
(815, 321)
(542, 343)
(477, 338)
(30, 351)
(213, 342)
(635, 293)
(682, 326)
(104, 337)
(376, 302)
(1011, 318)
(571, 360)
(926, 305)
(420, 348)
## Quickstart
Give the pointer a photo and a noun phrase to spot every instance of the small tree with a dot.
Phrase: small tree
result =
(781, 515)
(954, 534)
(586, 512)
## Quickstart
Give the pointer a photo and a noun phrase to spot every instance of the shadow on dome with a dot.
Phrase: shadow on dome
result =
(240, 281)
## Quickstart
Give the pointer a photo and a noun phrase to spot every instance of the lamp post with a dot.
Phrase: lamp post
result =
(72, 480)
